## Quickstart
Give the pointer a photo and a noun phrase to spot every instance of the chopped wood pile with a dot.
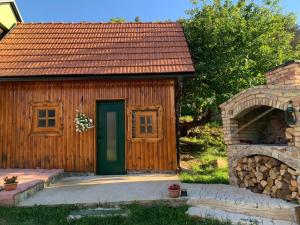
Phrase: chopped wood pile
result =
(269, 176)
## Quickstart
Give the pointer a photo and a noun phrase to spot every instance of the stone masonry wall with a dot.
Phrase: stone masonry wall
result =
(285, 75)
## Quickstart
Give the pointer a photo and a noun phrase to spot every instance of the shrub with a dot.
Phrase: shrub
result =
(210, 137)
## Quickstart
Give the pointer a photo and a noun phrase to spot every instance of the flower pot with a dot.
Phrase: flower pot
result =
(174, 193)
(10, 187)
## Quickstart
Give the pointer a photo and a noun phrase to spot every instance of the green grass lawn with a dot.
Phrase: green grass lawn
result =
(206, 147)
(139, 215)
(206, 176)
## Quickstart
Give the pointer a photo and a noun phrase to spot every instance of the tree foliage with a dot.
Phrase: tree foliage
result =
(137, 19)
(118, 20)
(233, 44)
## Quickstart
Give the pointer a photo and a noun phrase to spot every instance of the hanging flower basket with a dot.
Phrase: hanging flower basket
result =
(82, 122)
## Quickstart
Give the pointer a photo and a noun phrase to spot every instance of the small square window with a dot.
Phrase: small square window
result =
(45, 118)
(145, 123)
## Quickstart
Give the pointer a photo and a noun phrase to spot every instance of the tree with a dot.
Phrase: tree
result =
(296, 40)
(137, 19)
(233, 45)
(118, 20)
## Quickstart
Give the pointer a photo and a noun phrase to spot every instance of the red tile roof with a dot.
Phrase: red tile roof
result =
(38, 49)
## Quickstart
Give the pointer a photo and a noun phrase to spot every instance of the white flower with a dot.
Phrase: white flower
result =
(82, 122)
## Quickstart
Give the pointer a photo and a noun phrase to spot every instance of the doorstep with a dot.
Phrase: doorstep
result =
(30, 181)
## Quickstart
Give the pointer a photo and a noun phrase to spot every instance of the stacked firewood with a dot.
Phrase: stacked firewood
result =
(267, 175)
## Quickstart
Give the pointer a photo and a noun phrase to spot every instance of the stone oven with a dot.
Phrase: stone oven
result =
(262, 131)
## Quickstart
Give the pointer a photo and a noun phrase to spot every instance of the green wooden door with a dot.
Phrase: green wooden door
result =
(110, 137)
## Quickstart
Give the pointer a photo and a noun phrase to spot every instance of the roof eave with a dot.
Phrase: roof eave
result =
(98, 77)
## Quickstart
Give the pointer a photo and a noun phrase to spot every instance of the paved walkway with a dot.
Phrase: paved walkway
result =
(226, 202)
(234, 195)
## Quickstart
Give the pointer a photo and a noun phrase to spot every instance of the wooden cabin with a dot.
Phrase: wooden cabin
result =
(126, 77)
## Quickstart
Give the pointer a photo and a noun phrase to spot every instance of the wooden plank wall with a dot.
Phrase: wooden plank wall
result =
(73, 151)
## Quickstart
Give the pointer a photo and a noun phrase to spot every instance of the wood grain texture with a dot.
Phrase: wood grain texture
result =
(77, 151)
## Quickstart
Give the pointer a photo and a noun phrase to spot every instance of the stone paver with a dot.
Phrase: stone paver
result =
(235, 218)
(226, 199)
(234, 195)
(97, 212)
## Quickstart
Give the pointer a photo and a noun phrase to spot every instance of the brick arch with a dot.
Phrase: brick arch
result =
(240, 107)
(251, 98)
(240, 104)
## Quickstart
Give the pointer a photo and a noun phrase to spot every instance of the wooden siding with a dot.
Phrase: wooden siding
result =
(77, 151)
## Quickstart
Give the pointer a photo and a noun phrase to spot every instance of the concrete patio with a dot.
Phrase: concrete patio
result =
(104, 189)
(216, 200)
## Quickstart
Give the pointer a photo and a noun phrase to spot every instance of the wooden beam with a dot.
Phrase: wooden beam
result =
(178, 113)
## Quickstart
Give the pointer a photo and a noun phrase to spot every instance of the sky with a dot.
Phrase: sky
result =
(103, 10)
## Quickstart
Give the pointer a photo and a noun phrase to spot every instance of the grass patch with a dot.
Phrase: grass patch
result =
(206, 176)
(209, 151)
(139, 215)
(186, 119)
(208, 168)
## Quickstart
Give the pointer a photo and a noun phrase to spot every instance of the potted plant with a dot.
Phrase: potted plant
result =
(174, 190)
(10, 183)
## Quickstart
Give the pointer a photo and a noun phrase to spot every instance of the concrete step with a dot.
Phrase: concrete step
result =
(275, 212)
(32, 181)
(98, 212)
(235, 217)
(23, 191)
